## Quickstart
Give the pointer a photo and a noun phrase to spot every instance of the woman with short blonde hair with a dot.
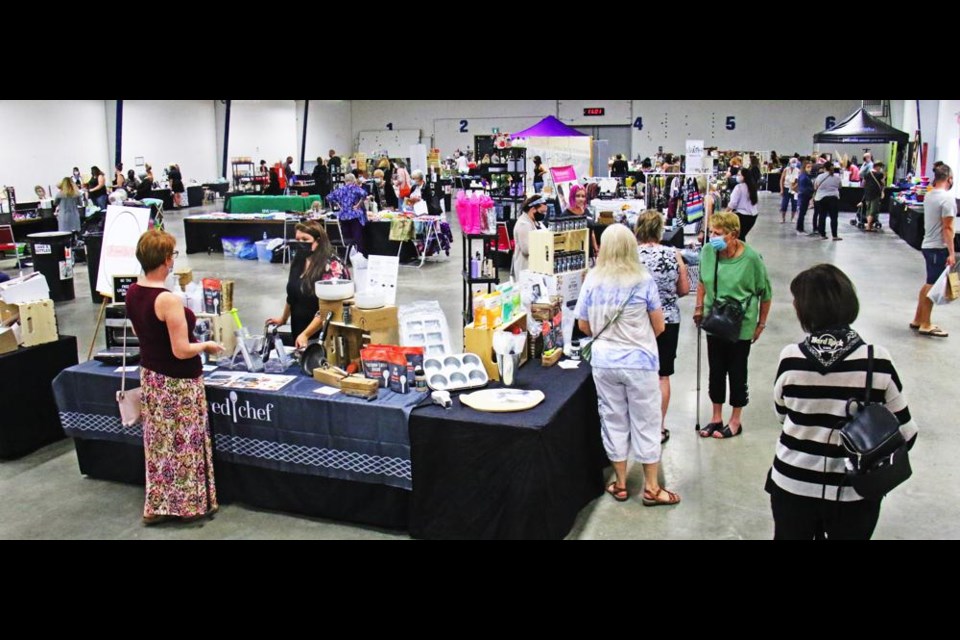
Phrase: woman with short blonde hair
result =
(67, 206)
(620, 307)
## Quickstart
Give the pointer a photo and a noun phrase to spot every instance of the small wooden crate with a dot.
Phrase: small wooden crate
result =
(38, 322)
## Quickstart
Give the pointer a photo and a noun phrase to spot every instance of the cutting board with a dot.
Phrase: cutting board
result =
(502, 400)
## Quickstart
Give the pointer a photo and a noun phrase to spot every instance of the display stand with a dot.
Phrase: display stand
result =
(244, 171)
(489, 249)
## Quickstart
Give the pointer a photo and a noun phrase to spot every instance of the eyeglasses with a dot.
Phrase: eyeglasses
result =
(174, 254)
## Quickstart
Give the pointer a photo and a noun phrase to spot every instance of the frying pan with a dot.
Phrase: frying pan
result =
(315, 354)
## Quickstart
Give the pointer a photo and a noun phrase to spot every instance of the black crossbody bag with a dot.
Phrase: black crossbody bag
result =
(726, 315)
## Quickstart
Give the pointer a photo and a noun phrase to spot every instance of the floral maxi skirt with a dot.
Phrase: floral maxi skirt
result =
(177, 446)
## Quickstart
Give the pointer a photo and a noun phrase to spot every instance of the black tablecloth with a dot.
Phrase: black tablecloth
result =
(509, 475)
(219, 187)
(194, 196)
(908, 223)
(376, 235)
(773, 182)
(23, 228)
(163, 194)
(30, 418)
(205, 235)
(475, 475)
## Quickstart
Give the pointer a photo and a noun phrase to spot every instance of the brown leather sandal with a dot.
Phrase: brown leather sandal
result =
(651, 499)
(618, 494)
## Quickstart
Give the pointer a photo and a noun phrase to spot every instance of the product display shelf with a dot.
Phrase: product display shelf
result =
(546, 244)
(242, 170)
(489, 249)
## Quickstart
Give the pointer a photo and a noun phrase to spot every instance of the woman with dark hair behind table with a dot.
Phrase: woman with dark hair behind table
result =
(321, 178)
(735, 270)
(118, 178)
(670, 273)
(97, 187)
(132, 183)
(743, 202)
(176, 431)
(308, 268)
(539, 171)
(815, 378)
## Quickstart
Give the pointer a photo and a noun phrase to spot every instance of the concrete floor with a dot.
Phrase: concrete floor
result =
(43, 494)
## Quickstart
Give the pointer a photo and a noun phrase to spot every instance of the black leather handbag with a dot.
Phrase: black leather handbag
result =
(726, 315)
(877, 450)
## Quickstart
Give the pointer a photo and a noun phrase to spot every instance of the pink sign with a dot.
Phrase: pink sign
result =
(563, 174)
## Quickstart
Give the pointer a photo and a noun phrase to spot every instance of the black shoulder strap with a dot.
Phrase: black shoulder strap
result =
(716, 271)
(866, 391)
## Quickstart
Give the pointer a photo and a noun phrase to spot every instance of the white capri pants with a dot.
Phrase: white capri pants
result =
(628, 401)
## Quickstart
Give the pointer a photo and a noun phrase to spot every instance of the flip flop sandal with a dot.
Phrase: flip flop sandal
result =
(620, 495)
(725, 433)
(653, 500)
(934, 332)
(664, 436)
(708, 430)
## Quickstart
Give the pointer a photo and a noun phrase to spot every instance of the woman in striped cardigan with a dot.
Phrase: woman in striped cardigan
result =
(815, 378)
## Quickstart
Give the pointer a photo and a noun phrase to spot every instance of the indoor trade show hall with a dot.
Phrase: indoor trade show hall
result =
(43, 495)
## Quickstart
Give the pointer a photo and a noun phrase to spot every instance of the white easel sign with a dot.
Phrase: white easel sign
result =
(121, 232)
(694, 156)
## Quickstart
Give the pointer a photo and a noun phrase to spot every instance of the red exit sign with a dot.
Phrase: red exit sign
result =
(594, 111)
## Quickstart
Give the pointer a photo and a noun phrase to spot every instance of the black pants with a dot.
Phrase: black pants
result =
(801, 518)
(728, 359)
(829, 206)
(804, 204)
(746, 223)
(817, 212)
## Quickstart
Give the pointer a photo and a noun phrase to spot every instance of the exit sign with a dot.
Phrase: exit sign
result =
(594, 111)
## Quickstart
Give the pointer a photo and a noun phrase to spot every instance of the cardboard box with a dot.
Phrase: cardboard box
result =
(9, 339)
(222, 329)
(353, 337)
(226, 290)
(9, 314)
(550, 318)
(26, 289)
(381, 324)
(38, 322)
(185, 275)
(336, 306)
(480, 342)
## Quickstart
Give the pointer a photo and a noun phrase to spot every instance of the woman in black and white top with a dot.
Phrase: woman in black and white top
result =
(814, 381)
(743, 202)
(670, 273)
(827, 195)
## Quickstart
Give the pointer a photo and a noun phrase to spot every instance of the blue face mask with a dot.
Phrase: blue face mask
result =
(718, 243)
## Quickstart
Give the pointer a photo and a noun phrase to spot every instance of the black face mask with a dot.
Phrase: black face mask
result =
(539, 216)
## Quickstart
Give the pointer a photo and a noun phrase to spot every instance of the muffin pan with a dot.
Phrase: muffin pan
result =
(455, 373)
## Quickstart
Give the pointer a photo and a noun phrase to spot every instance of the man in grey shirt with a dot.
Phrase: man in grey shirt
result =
(939, 210)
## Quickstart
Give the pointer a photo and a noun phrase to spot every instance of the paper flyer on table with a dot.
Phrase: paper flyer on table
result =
(129, 369)
(243, 380)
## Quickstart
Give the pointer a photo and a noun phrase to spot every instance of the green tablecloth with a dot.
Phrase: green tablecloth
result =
(259, 204)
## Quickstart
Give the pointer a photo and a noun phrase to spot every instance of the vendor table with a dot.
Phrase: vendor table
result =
(907, 221)
(203, 232)
(23, 228)
(163, 194)
(261, 440)
(259, 204)
(30, 418)
(850, 197)
(461, 474)
(509, 475)
(772, 182)
(220, 188)
(194, 196)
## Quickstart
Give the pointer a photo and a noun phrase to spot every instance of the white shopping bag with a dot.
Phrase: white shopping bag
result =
(938, 292)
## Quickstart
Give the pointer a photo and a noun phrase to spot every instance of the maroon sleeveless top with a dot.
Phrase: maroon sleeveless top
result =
(156, 354)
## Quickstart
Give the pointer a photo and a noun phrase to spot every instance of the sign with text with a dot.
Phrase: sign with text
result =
(121, 232)
(694, 156)
(120, 285)
(594, 111)
(563, 174)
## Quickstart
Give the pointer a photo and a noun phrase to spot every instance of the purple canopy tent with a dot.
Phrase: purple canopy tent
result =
(549, 127)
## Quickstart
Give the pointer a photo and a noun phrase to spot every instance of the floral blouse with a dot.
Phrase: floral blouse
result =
(350, 198)
(661, 262)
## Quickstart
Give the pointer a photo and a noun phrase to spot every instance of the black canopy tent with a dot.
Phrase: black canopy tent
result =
(859, 128)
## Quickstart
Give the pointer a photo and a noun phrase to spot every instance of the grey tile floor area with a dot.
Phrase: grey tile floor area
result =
(43, 494)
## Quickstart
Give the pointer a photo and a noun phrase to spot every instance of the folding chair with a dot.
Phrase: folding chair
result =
(8, 242)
